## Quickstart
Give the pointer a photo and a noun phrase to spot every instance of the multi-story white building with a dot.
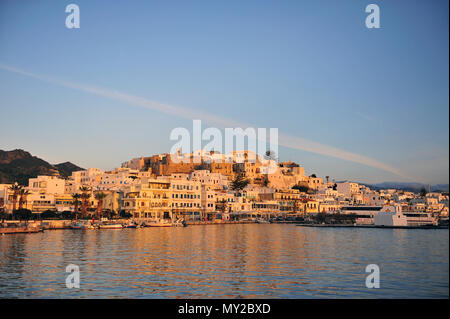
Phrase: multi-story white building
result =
(241, 205)
(208, 198)
(150, 200)
(40, 202)
(186, 198)
(47, 185)
(372, 198)
(117, 179)
(329, 206)
(4, 194)
(47, 193)
(87, 177)
(348, 189)
(215, 180)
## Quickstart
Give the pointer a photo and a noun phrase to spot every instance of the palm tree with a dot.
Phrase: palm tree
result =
(76, 202)
(85, 195)
(23, 197)
(99, 197)
(15, 188)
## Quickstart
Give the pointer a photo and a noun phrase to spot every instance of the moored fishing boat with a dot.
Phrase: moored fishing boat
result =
(81, 225)
(131, 225)
(77, 226)
(159, 223)
(111, 226)
(262, 221)
(179, 223)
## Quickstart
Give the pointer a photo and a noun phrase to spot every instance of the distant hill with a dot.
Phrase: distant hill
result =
(410, 187)
(19, 165)
(65, 169)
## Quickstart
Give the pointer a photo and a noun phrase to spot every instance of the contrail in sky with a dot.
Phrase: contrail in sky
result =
(222, 122)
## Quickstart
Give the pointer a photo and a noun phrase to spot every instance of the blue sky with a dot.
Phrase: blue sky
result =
(310, 68)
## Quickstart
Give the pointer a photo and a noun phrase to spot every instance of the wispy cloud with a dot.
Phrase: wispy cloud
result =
(365, 116)
(292, 142)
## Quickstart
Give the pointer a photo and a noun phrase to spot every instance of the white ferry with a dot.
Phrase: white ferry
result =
(364, 214)
(393, 216)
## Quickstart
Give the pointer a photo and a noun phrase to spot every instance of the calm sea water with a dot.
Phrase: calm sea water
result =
(226, 261)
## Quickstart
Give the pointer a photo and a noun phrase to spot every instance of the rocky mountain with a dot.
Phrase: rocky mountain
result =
(19, 165)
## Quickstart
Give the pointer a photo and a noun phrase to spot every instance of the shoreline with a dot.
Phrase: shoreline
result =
(370, 226)
(24, 230)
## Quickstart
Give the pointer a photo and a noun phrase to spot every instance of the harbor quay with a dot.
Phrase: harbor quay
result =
(30, 226)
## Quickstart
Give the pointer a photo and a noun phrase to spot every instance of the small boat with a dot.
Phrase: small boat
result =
(262, 221)
(79, 225)
(179, 223)
(82, 225)
(159, 223)
(111, 226)
(131, 225)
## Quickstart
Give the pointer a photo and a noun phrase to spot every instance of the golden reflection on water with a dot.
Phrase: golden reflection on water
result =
(224, 261)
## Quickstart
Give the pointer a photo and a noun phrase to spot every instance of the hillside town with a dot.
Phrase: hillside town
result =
(213, 189)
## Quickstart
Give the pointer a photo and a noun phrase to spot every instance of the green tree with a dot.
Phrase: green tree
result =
(49, 214)
(270, 155)
(239, 183)
(124, 214)
(67, 214)
(266, 180)
(23, 214)
(202, 166)
(423, 192)
(301, 188)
